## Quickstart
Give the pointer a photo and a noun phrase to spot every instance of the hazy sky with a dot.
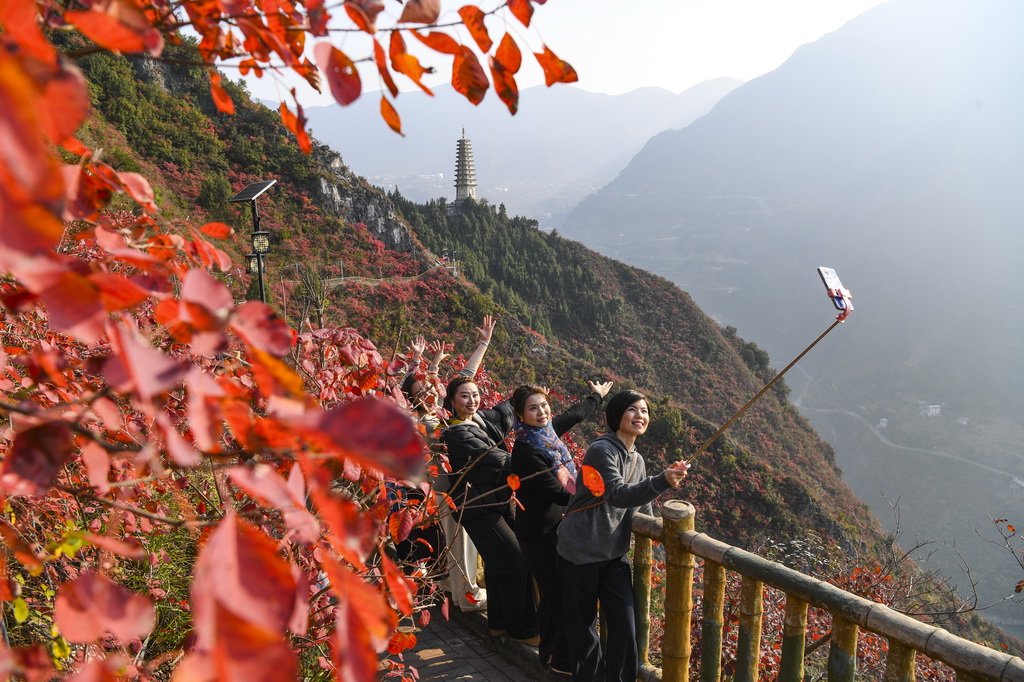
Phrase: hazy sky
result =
(619, 45)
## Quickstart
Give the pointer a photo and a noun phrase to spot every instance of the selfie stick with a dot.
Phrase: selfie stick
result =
(841, 299)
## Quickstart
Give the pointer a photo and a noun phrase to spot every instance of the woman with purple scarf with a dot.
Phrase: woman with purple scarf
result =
(547, 476)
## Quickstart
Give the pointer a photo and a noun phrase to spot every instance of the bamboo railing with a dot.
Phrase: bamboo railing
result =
(906, 636)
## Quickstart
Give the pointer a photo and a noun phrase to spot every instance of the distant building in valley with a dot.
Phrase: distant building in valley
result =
(932, 410)
(465, 173)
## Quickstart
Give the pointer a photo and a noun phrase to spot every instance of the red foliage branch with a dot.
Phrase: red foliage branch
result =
(153, 420)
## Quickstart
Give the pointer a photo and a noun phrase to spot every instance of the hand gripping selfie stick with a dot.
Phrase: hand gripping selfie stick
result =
(841, 300)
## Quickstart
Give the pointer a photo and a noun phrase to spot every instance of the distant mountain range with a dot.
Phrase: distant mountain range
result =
(563, 144)
(893, 151)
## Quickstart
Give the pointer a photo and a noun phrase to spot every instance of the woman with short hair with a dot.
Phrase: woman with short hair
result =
(593, 540)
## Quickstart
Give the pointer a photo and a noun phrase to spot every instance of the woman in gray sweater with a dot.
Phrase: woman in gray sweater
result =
(593, 540)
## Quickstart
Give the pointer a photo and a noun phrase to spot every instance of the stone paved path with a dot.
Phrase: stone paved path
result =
(462, 649)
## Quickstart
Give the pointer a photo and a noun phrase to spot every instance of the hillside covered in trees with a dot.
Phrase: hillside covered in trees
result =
(566, 313)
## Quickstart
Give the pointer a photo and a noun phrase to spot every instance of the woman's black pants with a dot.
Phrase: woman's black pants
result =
(510, 603)
(583, 586)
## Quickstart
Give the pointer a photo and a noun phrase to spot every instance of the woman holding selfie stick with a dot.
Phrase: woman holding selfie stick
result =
(593, 540)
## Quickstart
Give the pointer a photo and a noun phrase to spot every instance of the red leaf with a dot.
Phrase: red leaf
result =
(105, 30)
(260, 327)
(521, 10)
(508, 54)
(382, 68)
(266, 485)
(97, 466)
(318, 17)
(246, 651)
(468, 76)
(218, 230)
(400, 524)
(138, 188)
(241, 651)
(200, 288)
(72, 301)
(401, 587)
(341, 73)
(21, 26)
(29, 171)
(592, 479)
(420, 11)
(297, 124)
(134, 365)
(390, 116)
(128, 548)
(37, 456)
(373, 431)
(513, 482)
(1011, 529)
(506, 62)
(364, 13)
(405, 63)
(221, 98)
(364, 608)
(401, 641)
(277, 381)
(117, 292)
(110, 669)
(439, 42)
(33, 662)
(117, 24)
(240, 570)
(92, 605)
(181, 451)
(555, 70)
(473, 18)
(64, 105)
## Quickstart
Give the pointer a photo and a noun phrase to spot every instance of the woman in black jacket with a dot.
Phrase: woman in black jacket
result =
(547, 476)
(480, 467)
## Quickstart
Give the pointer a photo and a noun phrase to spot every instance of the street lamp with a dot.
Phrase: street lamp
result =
(260, 238)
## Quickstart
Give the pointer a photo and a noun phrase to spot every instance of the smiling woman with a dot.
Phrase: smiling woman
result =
(480, 467)
(593, 540)
(547, 477)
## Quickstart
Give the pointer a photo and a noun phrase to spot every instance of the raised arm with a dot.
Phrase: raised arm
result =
(418, 345)
(484, 333)
(437, 349)
(583, 409)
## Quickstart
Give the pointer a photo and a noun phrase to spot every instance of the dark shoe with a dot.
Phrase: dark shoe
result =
(558, 674)
(529, 641)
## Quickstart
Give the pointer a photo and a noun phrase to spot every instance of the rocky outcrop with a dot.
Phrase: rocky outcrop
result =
(347, 196)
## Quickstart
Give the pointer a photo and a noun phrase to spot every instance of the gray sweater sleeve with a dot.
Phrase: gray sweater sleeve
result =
(618, 491)
(599, 528)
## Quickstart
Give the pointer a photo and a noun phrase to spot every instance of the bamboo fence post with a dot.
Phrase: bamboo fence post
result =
(794, 640)
(899, 663)
(712, 622)
(677, 517)
(842, 650)
(642, 562)
(748, 642)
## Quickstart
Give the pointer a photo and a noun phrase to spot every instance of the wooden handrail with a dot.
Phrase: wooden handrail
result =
(849, 611)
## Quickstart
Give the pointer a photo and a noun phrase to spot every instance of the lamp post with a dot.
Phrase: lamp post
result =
(260, 238)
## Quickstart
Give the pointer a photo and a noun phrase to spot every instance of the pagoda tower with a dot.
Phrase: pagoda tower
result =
(465, 175)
